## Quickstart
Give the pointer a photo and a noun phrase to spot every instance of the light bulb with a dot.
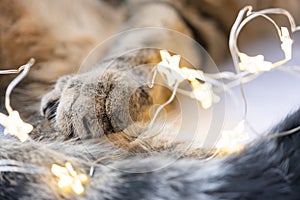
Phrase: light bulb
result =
(69, 178)
(15, 126)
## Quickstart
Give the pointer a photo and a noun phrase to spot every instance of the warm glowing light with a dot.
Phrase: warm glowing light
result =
(68, 177)
(15, 126)
(254, 64)
(233, 141)
(169, 68)
(203, 93)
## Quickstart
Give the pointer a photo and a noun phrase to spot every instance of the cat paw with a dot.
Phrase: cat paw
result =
(94, 104)
(50, 101)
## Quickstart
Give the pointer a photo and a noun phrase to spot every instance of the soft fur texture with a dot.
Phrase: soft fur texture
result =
(85, 116)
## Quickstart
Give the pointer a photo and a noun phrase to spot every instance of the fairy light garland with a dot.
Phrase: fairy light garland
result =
(247, 68)
(254, 65)
(175, 75)
(203, 87)
(13, 124)
(69, 178)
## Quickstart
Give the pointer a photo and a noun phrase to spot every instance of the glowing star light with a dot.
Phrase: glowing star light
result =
(68, 177)
(257, 63)
(203, 93)
(169, 68)
(254, 64)
(14, 125)
(232, 141)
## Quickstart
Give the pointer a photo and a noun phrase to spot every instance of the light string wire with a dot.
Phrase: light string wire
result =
(13, 124)
(99, 160)
(235, 51)
(7, 165)
(239, 78)
(239, 25)
(236, 29)
(246, 76)
(67, 176)
(25, 69)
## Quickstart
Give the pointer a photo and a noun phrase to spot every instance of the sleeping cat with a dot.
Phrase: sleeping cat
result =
(90, 115)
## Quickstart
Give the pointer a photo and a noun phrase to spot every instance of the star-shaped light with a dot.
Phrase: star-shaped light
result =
(69, 178)
(232, 141)
(203, 93)
(15, 126)
(254, 64)
(200, 91)
(169, 66)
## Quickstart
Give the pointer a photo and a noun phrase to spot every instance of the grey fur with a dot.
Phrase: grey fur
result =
(81, 108)
(267, 169)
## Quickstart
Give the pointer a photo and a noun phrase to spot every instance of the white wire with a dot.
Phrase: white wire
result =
(164, 105)
(13, 84)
